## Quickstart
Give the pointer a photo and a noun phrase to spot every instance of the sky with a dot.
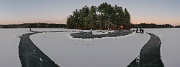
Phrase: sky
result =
(57, 11)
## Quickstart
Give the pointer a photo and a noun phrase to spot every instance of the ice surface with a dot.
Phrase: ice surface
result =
(99, 52)
(103, 52)
(170, 46)
(9, 42)
(40, 59)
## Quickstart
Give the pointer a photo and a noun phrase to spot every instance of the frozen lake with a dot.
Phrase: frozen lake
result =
(170, 46)
(9, 42)
(104, 52)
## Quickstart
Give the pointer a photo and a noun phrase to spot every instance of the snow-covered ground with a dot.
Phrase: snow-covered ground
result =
(104, 52)
(170, 46)
(9, 42)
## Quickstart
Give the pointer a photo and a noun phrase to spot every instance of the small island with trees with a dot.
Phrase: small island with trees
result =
(104, 16)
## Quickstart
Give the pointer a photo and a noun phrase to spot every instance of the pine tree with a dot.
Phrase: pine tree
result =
(99, 17)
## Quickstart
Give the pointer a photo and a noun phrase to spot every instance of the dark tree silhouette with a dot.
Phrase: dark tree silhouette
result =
(103, 16)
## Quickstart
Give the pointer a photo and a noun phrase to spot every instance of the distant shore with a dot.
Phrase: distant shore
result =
(50, 25)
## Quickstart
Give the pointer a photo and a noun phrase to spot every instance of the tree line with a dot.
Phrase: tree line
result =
(151, 25)
(178, 26)
(34, 25)
(46, 25)
(99, 17)
(53, 25)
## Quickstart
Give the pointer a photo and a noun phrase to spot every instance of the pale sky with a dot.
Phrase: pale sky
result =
(56, 11)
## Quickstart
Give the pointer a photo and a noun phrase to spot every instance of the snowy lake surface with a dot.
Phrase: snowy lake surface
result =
(170, 46)
(9, 42)
(100, 52)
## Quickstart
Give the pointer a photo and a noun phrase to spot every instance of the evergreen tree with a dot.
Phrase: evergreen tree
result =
(100, 17)
(127, 19)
